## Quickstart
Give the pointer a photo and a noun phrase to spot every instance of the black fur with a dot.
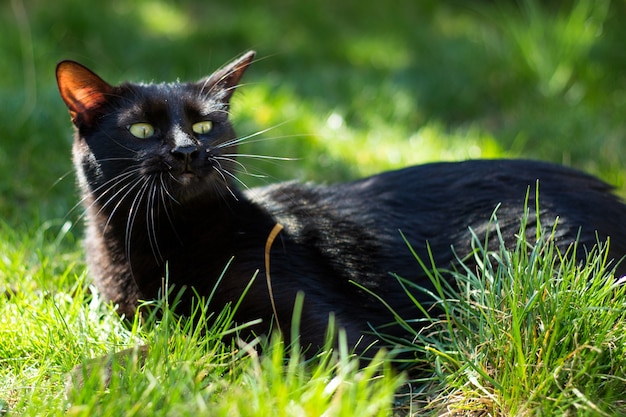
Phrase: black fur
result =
(182, 209)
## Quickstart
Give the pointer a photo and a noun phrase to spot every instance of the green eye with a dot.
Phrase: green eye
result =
(202, 127)
(141, 130)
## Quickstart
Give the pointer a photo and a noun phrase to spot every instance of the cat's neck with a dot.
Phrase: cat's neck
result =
(167, 222)
(203, 232)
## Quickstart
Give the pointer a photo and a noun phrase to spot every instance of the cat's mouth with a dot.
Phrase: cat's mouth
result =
(189, 185)
(190, 179)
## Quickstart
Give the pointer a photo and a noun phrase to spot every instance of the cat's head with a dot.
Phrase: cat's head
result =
(174, 139)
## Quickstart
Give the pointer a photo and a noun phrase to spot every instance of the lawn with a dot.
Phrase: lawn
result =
(341, 89)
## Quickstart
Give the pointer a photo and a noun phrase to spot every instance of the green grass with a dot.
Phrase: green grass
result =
(189, 370)
(530, 331)
(347, 89)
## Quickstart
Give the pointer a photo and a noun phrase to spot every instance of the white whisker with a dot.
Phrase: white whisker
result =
(233, 176)
(151, 223)
(256, 156)
(245, 138)
(232, 160)
(162, 193)
(164, 188)
(118, 178)
(221, 172)
(259, 140)
(243, 169)
(127, 189)
(132, 214)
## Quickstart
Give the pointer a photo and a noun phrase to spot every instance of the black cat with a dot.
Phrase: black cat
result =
(155, 164)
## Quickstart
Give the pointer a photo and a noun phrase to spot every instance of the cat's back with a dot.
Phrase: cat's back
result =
(501, 176)
(438, 203)
(437, 186)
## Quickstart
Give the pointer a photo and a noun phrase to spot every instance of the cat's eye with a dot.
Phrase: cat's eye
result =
(141, 130)
(203, 127)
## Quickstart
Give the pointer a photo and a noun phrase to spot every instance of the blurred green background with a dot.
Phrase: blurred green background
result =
(347, 88)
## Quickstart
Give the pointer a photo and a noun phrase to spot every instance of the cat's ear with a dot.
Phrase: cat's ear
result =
(223, 82)
(83, 91)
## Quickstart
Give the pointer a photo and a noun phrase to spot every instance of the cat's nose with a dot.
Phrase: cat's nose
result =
(185, 153)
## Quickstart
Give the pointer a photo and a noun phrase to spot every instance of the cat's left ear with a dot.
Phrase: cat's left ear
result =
(223, 82)
(83, 91)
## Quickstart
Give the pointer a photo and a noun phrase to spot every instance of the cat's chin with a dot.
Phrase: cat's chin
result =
(187, 179)
(188, 186)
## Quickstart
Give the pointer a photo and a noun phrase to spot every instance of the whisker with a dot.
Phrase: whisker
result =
(221, 172)
(132, 214)
(174, 178)
(221, 192)
(243, 169)
(162, 193)
(115, 141)
(131, 187)
(233, 176)
(255, 156)
(232, 160)
(61, 178)
(264, 139)
(252, 135)
(164, 188)
(250, 174)
(151, 224)
(126, 189)
(120, 178)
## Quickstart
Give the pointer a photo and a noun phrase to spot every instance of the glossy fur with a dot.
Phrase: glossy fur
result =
(171, 201)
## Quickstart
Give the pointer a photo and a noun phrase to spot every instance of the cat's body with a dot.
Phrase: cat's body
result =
(155, 164)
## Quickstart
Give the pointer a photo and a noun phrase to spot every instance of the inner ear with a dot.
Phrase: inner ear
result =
(83, 92)
(223, 82)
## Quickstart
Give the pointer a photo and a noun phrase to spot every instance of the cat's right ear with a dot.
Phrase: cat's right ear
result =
(83, 91)
(223, 82)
